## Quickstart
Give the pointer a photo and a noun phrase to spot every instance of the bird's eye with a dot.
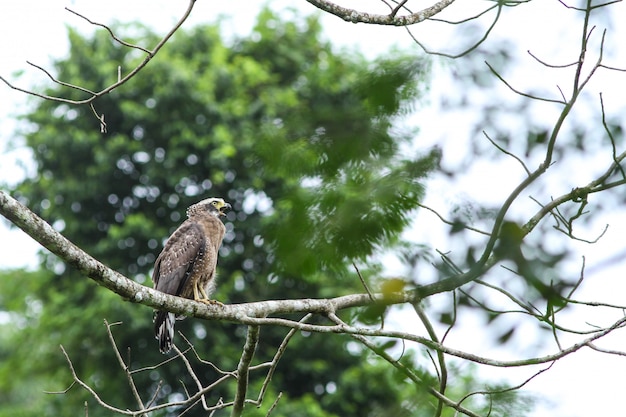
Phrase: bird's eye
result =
(214, 203)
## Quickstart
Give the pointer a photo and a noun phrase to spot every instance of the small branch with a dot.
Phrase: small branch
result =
(533, 97)
(65, 391)
(617, 163)
(347, 329)
(367, 289)
(449, 262)
(252, 339)
(64, 84)
(396, 9)
(597, 185)
(155, 395)
(443, 381)
(454, 317)
(451, 223)
(94, 95)
(274, 404)
(608, 351)
(509, 389)
(279, 354)
(205, 362)
(405, 370)
(560, 219)
(89, 389)
(472, 47)
(118, 40)
(524, 308)
(545, 64)
(506, 152)
(194, 377)
(124, 366)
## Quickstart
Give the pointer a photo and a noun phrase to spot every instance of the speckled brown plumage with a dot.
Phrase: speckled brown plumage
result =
(186, 266)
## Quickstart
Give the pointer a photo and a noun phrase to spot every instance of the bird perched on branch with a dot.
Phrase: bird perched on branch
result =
(186, 265)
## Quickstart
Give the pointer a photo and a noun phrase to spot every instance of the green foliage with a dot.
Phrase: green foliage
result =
(303, 142)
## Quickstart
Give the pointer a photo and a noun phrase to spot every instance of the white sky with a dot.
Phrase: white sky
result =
(584, 384)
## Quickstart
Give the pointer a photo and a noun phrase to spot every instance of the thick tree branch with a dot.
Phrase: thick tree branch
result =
(248, 313)
(392, 19)
(56, 243)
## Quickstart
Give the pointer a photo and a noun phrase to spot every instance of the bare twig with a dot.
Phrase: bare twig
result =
(193, 375)
(90, 390)
(108, 29)
(124, 366)
(609, 351)
(545, 64)
(64, 84)
(155, 395)
(369, 293)
(399, 6)
(205, 362)
(252, 339)
(509, 389)
(443, 369)
(279, 353)
(65, 391)
(274, 404)
(617, 163)
(404, 369)
(506, 152)
(521, 93)
(453, 318)
(476, 44)
(94, 95)
(451, 223)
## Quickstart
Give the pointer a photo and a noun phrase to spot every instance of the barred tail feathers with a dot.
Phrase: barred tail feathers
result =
(164, 330)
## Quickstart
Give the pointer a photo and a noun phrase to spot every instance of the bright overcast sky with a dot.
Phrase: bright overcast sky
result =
(578, 386)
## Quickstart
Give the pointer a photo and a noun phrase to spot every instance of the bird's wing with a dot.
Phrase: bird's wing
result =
(175, 263)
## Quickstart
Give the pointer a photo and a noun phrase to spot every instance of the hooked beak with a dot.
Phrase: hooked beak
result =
(226, 207)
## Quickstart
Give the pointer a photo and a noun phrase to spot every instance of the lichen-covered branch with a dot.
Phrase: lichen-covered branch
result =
(391, 19)
(56, 243)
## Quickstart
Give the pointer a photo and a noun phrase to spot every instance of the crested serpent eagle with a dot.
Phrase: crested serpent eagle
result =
(186, 265)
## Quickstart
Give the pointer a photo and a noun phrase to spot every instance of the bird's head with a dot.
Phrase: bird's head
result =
(216, 206)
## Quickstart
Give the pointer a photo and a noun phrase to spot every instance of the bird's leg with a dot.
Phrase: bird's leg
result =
(204, 298)
(195, 292)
